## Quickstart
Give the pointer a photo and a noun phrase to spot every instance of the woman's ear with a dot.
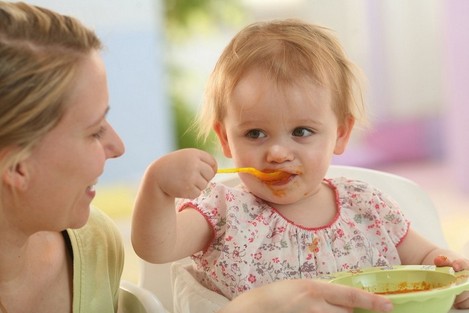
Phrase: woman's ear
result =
(16, 176)
(223, 138)
(343, 134)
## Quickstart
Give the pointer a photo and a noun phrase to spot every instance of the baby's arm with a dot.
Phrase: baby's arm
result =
(159, 233)
(415, 249)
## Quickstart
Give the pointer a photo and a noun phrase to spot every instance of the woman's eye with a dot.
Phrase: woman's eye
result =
(302, 132)
(255, 133)
(99, 134)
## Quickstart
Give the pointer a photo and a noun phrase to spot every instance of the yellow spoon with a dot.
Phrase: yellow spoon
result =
(271, 176)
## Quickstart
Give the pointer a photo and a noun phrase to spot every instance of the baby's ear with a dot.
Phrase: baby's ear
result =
(223, 138)
(344, 131)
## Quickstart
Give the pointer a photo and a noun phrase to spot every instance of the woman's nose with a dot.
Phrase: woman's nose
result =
(279, 154)
(113, 145)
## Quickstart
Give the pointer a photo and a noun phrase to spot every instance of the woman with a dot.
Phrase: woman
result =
(56, 252)
(54, 141)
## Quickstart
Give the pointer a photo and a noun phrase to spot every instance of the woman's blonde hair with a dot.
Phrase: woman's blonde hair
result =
(288, 50)
(39, 54)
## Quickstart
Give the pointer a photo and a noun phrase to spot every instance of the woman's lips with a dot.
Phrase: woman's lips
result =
(90, 191)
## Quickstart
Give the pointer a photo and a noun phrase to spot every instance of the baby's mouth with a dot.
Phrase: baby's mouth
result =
(285, 178)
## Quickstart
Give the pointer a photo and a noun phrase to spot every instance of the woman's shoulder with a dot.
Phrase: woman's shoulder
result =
(100, 231)
(98, 260)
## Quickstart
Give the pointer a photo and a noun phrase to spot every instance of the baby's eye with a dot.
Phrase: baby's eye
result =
(99, 134)
(255, 133)
(302, 132)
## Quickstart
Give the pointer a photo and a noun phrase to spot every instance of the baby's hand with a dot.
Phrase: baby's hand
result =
(462, 300)
(184, 173)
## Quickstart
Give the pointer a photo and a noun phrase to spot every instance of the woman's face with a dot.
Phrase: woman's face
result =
(56, 182)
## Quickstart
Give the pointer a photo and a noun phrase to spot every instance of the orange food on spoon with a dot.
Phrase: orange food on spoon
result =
(264, 176)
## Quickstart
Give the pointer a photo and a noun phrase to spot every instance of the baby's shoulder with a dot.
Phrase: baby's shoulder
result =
(353, 193)
(219, 188)
(345, 184)
(222, 195)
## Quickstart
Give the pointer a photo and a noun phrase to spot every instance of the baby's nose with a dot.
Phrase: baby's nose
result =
(279, 153)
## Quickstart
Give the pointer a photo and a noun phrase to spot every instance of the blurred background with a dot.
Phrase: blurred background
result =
(159, 54)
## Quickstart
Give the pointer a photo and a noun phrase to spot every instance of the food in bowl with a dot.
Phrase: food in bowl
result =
(405, 287)
(414, 288)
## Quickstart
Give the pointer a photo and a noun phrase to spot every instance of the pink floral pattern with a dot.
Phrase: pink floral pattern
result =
(254, 245)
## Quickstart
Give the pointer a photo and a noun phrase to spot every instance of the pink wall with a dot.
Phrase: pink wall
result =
(456, 64)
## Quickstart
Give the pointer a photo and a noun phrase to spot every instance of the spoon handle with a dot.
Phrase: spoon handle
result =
(234, 170)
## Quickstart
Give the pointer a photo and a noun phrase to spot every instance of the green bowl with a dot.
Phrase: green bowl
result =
(411, 288)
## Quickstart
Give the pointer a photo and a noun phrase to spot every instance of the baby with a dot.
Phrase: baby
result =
(283, 96)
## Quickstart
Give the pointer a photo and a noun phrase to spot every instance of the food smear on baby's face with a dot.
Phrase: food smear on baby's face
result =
(281, 178)
(278, 177)
(273, 177)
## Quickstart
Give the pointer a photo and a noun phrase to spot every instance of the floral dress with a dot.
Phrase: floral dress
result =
(254, 244)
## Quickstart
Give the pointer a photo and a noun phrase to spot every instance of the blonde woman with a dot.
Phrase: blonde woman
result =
(56, 254)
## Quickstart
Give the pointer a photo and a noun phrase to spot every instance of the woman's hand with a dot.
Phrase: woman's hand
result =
(306, 295)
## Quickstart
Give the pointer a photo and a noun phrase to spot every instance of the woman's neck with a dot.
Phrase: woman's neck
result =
(14, 250)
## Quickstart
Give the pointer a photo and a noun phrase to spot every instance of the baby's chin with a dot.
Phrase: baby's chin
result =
(277, 198)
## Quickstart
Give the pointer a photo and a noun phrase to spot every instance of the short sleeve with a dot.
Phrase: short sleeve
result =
(381, 212)
(212, 204)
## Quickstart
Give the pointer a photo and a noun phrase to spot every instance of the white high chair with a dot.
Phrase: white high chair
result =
(188, 296)
(136, 299)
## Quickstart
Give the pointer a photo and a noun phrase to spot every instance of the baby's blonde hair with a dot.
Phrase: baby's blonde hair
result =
(289, 50)
(40, 51)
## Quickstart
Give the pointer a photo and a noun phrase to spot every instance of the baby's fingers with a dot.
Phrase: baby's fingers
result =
(442, 260)
(462, 301)
(457, 265)
(460, 264)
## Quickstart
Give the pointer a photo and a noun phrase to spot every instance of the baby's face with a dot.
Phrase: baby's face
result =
(290, 128)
